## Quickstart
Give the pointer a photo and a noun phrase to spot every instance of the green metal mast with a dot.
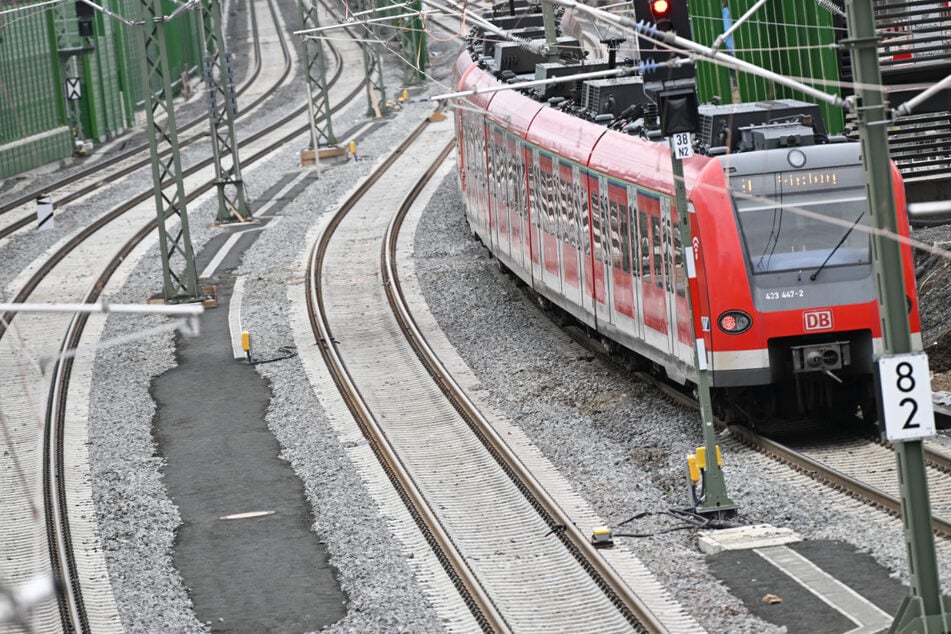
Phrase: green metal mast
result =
(69, 45)
(715, 499)
(318, 98)
(925, 610)
(414, 44)
(222, 110)
(373, 63)
(180, 279)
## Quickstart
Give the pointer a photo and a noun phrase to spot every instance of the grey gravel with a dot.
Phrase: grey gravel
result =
(622, 445)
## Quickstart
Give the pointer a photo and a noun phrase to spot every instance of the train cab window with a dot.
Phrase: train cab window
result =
(657, 249)
(794, 221)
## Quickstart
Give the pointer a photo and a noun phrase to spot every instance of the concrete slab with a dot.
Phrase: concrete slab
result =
(745, 538)
(819, 587)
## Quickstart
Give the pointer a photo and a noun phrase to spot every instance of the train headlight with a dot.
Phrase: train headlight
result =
(733, 322)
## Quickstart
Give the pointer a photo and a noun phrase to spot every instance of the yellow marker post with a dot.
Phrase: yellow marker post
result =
(246, 345)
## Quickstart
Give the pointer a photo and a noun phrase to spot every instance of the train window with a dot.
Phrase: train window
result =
(533, 191)
(585, 229)
(596, 225)
(657, 250)
(564, 209)
(645, 246)
(520, 173)
(680, 272)
(615, 234)
(635, 242)
(668, 256)
(793, 221)
(625, 238)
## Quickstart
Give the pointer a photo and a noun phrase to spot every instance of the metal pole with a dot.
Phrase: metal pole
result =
(180, 279)
(414, 44)
(222, 110)
(318, 97)
(551, 34)
(715, 499)
(924, 610)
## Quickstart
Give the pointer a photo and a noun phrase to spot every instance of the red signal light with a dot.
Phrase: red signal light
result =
(660, 8)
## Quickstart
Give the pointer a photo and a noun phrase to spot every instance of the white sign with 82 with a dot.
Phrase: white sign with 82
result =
(906, 396)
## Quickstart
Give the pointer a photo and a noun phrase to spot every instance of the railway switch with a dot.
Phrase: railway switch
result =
(601, 536)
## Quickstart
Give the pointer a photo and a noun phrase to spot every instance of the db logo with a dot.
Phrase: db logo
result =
(817, 319)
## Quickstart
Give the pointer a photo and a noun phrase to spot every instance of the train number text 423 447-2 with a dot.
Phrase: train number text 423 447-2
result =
(787, 294)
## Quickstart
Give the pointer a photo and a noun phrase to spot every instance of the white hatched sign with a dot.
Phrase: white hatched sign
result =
(73, 91)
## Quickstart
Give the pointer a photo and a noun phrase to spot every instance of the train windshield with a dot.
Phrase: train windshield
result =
(803, 220)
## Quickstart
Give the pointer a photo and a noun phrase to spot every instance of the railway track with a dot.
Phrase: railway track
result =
(18, 212)
(516, 558)
(38, 384)
(861, 466)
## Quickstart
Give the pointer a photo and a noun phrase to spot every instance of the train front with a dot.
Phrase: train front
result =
(795, 321)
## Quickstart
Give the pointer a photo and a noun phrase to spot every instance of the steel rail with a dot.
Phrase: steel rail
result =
(452, 561)
(94, 169)
(806, 465)
(578, 544)
(138, 149)
(72, 607)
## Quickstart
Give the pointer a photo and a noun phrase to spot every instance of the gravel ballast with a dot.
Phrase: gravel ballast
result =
(622, 445)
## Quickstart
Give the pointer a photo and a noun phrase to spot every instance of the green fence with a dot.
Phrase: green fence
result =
(794, 39)
(41, 49)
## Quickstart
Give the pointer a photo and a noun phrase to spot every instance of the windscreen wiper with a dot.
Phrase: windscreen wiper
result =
(836, 248)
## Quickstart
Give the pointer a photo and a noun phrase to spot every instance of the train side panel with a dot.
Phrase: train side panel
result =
(560, 217)
(508, 121)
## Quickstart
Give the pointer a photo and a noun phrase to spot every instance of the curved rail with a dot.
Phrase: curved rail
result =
(94, 170)
(578, 544)
(72, 608)
(452, 561)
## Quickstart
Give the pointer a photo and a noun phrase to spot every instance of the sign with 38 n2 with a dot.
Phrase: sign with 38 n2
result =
(905, 387)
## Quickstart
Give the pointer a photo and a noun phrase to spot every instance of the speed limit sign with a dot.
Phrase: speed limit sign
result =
(905, 388)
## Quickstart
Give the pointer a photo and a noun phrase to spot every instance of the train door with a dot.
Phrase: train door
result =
(548, 194)
(668, 230)
(683, 345)
(570, 232)
(654, 304)
(516, 197)
(584, 240)
(638, 249)
(476, 175)
(534, 215)
(601, 242)
(619, 240)
(498, 224)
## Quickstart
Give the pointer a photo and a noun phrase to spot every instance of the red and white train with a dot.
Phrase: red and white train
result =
(586, 216)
